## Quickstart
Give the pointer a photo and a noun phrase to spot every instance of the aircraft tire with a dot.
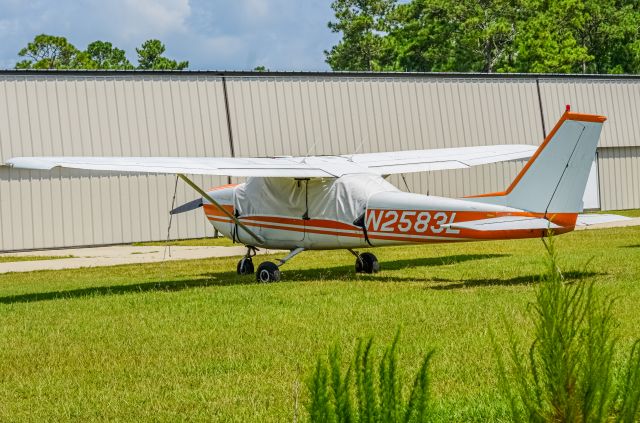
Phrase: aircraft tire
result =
(367, 263)
(245, 266)
(268, 272)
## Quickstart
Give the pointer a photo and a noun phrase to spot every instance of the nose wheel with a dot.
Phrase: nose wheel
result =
(267, 271)
(366, 262)
(245, 265)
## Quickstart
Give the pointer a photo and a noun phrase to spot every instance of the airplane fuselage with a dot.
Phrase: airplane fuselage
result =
(390, 218)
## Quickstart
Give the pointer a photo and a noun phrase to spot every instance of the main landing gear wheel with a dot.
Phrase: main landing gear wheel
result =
(367, 263)
(268, 272)
(245, 266)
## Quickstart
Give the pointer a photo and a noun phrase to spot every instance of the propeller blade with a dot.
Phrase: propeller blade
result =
(191, 205)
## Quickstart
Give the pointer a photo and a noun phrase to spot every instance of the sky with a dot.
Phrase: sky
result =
(211, 35)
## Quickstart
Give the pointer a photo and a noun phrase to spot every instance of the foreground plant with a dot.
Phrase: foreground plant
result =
(567, 375)
(360, 394)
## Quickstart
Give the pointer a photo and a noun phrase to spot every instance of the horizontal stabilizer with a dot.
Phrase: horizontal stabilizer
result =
(596, 219)
(505, 223)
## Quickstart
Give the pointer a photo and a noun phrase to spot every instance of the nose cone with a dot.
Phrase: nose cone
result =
(223, 195)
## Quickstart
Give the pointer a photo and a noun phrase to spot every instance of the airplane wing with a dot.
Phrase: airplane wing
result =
(505, 223)
(292, 167)
(440, 159)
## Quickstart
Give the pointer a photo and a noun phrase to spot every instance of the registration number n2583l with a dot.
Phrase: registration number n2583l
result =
(410, 221)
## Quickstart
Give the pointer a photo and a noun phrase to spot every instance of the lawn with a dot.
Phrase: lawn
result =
(191, 340)
(10, 259)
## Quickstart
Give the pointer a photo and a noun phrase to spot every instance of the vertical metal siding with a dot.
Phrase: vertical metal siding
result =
(619, 172)
(619, 100)
(70, 115)
(326, 115)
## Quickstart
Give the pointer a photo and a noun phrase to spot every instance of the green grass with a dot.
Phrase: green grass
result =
(198, 242)
(190, 340)
(10, 259)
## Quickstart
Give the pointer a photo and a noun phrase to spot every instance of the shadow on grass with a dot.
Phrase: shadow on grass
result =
(231, 278)
(436, 261)
(631, 246)
(347, 272)
(448, 284)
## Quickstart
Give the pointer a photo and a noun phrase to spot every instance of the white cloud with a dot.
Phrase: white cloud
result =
(138, 18)
(211, 34)
(257, 9)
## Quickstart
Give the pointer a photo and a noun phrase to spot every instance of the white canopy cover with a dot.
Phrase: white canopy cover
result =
(342, 199)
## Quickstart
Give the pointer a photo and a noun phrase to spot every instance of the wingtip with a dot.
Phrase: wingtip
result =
(28, 163)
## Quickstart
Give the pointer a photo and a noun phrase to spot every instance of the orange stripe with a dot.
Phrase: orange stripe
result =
(566, 220)
(464, 235)
(211, 209)
(582, 117)
(298, 221)
(218, 188)
(301, 229)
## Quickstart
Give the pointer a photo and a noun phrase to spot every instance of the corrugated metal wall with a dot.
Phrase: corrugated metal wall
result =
(69, 115)
(619, 152)
(185, 114)
(329, 115)
(618, 99)
(619, 170)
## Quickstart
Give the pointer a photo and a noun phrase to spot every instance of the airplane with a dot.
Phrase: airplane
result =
(345, 202)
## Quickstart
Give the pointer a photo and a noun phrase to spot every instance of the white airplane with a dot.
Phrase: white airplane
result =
(334, 202)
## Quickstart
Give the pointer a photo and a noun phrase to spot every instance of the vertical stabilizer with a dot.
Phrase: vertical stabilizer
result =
(554, 179)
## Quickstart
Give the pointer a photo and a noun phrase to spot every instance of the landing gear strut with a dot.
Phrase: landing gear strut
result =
(245, 265)
(270, 272)
(366, 262)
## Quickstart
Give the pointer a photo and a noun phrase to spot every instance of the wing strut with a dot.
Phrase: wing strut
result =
(222, 209)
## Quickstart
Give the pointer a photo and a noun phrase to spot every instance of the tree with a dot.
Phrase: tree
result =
(150, 57)
(440, 35)
(585, 36)
(609, 31)
(103, 55)
(545, 40)
(52, 52)
(363, 24)
(49, 52)
(588, 36)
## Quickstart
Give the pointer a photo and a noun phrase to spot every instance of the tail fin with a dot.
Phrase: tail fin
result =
(554, 179)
